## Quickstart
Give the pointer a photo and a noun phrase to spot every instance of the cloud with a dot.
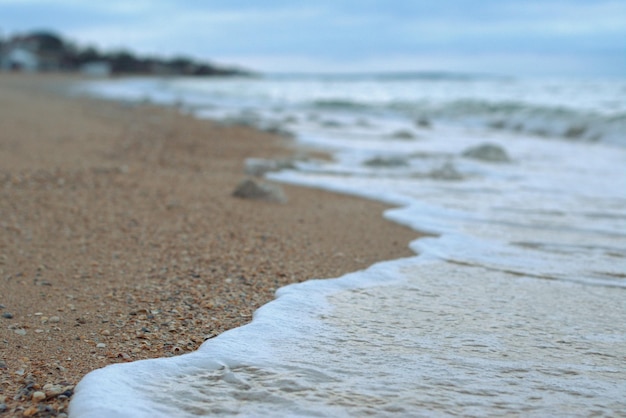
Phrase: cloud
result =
(332, 32)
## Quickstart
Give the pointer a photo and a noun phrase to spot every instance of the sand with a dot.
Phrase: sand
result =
(120, 239)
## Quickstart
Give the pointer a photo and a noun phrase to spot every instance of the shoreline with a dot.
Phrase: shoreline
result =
(120, 239)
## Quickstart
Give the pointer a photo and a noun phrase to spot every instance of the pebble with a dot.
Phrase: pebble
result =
(251, 189)
(3, 407)
(20, 331)
(38, 396)
(7, 315)
(54, 319)
(101, 345)
(29, 412)
(487, 152)
(52, 390)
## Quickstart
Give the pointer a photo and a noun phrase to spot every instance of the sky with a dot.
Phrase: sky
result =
(507, 37)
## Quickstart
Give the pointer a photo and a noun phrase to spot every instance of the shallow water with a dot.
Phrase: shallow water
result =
(433, 343)
(514, 306)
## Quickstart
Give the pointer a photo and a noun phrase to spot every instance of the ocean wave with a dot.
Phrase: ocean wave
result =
(545, 121)
(577, 111)
(520, 117)
(384, 76)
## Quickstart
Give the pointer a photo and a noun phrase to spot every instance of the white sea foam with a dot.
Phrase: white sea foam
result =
(514, 306)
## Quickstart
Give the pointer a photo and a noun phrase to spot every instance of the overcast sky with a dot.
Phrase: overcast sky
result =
(517, 37)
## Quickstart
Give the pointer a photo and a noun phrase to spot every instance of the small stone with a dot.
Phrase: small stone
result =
(38, 396)
(101, 345)
(54, 319)
(3, 407)
(487, 152)
(259, 166)
(7, 315)
(29, 412)
(446, 172)
(52, 390)
(250, 189)
(20, 331)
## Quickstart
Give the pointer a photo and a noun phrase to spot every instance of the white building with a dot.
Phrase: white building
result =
(17, 58)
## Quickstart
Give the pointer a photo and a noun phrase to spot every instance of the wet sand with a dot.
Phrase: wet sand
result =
(120, 239)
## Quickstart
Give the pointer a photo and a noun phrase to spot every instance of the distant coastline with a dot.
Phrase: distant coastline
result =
(43, 51)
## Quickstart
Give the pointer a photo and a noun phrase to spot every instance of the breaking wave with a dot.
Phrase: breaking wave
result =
(519, 117)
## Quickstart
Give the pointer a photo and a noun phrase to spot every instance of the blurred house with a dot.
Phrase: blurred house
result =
(39, 51)
(18, 59)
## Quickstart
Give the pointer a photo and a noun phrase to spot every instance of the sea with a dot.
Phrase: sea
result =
(514, 303)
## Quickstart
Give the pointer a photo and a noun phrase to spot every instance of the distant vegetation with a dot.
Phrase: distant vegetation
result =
(47, 51)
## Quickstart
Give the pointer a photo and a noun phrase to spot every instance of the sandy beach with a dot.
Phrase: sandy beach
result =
(120, 239)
